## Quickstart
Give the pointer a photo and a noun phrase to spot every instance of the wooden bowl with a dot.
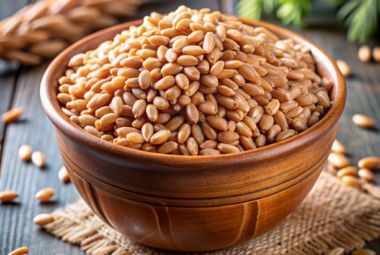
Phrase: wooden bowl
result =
(184, 203)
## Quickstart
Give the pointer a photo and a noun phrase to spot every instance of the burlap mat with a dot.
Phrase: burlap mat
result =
(332, 215)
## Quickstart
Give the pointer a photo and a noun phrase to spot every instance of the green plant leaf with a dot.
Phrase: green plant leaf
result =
(361, 17)
(250, 8)
(269, 5)
(347, 8)
(293, 11)
(336, 2)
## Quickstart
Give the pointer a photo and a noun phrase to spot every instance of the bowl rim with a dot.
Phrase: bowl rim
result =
(48, 92)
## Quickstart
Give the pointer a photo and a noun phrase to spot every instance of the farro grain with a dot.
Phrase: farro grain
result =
(314, 118)
(12, 115)
(43, 219)
(183, 149)
(160, 137)
(363, 121)
(138, 123)
(227, 148)
(171, 69)
(8, 195)
(217, 122)
(249, 122)
(209, 144)
(63, 175)
(168, 147)
(338, 160)
(161, 103)
(217, 68)
(226, 91)
(163, 118)
(351, 181)
(190, 67)
(183, 133)
(376, 54)
(228, 137)
(19, 251)
(197, 133)
(192, 73)
(175, 123)
(135, 138)
(349, 170)
(187, 60)
(182, 81)
(272, 133)
(294, 112)
(45, 194)
(338, 147)
(203, 67)
(25, 152)
(369, 162)
(192, 146)
(124, 131)
(247, 143)
(319, 109)
(147, 131)
(280, 119)
(243, 129)
(196, 36)
(38, 159)
(282, 95)
(151, 95)
(366, 175)
(266, 122)
(209, 42)
(76, 120)
(231, 125)
(138, 93)
(253, 89)
(307, 113)
(209, 152)
(286, 134)
(207, 108)
(92, 130)
(299, 124)
(260, 141)
(214, 56)
(198, 98)
(273, 107)
(144, 79)
(344, 67)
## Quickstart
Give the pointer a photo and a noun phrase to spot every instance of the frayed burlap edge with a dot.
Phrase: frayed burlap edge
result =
(332, 215)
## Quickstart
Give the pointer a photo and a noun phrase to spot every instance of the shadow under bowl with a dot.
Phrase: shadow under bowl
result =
(183, 203)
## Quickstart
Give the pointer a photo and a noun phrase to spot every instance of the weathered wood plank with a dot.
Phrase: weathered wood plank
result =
(363, 93)
(8, 74)
(36, 130)
(8, 71)
(16, 219)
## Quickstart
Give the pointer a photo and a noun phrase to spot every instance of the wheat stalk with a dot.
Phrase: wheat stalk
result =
(43, 29)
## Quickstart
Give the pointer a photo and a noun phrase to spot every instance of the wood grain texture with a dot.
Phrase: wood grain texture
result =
(8, 71)
(16, 224)
(199, 203)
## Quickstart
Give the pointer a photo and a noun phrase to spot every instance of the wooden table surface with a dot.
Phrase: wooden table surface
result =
(19, 87)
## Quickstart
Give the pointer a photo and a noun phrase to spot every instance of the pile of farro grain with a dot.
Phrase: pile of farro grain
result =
(194, 83)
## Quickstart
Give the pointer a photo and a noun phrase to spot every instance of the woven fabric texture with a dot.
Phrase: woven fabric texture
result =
(332, 215)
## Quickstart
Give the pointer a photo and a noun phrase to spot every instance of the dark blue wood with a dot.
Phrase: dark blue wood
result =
(19, 88)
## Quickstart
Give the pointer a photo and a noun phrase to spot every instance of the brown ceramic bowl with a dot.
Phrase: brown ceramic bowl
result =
(184, 203)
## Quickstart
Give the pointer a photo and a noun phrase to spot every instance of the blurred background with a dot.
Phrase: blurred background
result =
(30, 35)
(40, 29)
